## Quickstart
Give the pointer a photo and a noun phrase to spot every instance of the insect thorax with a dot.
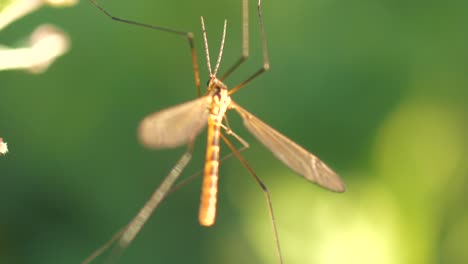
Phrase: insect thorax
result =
(219, 93)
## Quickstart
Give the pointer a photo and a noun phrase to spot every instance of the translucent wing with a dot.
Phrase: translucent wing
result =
(176, 125)
(294, 156)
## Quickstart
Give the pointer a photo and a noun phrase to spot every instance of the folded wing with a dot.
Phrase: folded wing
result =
(294, 156)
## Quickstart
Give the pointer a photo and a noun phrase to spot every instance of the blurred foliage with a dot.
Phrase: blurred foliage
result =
(377, 89)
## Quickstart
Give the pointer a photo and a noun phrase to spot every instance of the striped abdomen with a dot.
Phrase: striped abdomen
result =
(208, 199)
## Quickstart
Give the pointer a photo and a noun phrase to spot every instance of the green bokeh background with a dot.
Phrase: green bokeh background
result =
(377, 89)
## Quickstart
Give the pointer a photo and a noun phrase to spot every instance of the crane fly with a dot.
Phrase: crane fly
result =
(181, 124)
(175, 126)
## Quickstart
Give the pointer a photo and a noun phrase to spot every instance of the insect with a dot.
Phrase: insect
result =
(180, 125)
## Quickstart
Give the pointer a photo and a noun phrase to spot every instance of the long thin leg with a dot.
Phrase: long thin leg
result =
(197, 174)
(245, 40)
(245, 46)
(231, 133)
(129, 232)
(187, 35)
(265, 191)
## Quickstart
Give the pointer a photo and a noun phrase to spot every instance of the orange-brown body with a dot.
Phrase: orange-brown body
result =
(219, 106)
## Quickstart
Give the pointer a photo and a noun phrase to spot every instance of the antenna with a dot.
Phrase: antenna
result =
(207, 51)
(221, 48)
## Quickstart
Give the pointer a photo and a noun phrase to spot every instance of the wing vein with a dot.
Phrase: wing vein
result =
(291, 154)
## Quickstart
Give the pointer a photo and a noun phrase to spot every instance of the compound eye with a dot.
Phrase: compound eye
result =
(208, 82)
